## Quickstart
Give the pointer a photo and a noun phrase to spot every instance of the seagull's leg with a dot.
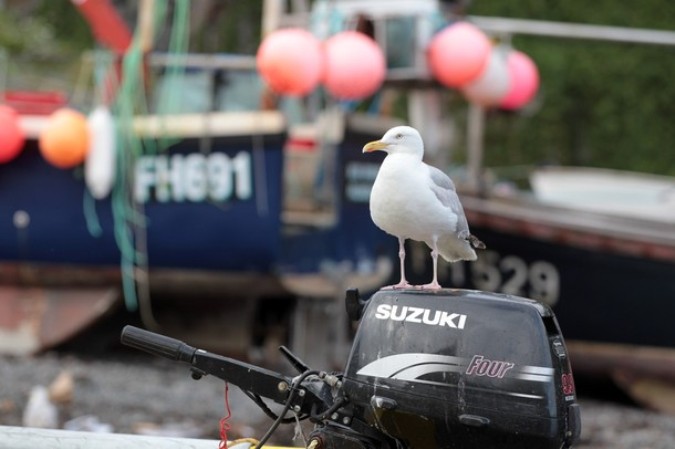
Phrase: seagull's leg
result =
(434, 285)
(403, 283)
(401, 256)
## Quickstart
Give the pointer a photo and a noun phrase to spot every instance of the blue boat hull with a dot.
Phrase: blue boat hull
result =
(229, 224)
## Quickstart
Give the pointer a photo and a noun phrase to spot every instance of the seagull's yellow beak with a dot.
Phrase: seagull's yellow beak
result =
(374, 146)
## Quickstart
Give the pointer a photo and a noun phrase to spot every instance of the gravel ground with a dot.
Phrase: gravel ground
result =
(139, 394)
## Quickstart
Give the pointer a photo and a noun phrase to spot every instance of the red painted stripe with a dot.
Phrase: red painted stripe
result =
(107, 25)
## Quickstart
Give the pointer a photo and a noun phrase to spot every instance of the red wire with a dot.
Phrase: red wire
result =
(224, 424)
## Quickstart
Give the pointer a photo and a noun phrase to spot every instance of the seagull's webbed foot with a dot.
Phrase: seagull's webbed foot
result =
(400, 286)
(431, 286)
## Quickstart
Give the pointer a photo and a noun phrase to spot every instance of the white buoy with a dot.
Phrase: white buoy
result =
(493, 83)
(99, 167)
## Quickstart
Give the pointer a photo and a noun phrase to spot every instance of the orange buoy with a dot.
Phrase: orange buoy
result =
(64, 141)
(12, 137)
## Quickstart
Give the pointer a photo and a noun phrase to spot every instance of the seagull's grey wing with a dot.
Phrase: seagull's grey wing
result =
(445, 191)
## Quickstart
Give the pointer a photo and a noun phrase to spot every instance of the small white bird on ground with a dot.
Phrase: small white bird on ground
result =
(413, 200)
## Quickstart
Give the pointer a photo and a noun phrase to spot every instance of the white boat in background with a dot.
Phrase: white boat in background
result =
(627, 194)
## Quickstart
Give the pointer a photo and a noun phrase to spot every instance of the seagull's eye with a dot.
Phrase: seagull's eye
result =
(399, 136)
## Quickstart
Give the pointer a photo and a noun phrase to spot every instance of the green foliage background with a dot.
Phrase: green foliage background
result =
(600, 104)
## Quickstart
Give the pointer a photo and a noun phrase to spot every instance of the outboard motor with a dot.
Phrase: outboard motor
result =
(428, 370)
(462, 369)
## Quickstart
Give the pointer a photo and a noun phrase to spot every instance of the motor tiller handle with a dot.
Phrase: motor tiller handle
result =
(157, 344)
(250, 378)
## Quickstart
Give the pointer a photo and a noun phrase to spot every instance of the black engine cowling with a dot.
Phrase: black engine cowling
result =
(462, 369)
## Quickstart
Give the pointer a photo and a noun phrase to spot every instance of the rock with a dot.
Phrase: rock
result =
(61, 389)
(7, 406)
(88, 423)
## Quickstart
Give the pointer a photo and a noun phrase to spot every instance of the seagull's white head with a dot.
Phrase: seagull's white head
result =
(398, 140)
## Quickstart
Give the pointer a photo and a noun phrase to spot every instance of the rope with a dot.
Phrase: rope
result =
(90, 216)
(4, 73)
(102, 65)
(128, 146)
(224, 422)
(129, 215)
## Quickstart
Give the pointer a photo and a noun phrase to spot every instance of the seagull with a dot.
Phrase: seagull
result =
(413, 200)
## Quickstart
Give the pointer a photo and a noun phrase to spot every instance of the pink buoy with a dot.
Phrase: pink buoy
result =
(458, 54)
(524, 80)
(355, 66)
(492, 84)
(290, 61)
(12, 137)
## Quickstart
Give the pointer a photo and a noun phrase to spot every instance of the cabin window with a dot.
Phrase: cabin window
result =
(200, 90)
(400, 36)
(183, 92)
(239, 91)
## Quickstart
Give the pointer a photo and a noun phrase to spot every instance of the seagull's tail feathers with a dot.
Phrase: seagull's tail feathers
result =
(475, 242)
(453, 249)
